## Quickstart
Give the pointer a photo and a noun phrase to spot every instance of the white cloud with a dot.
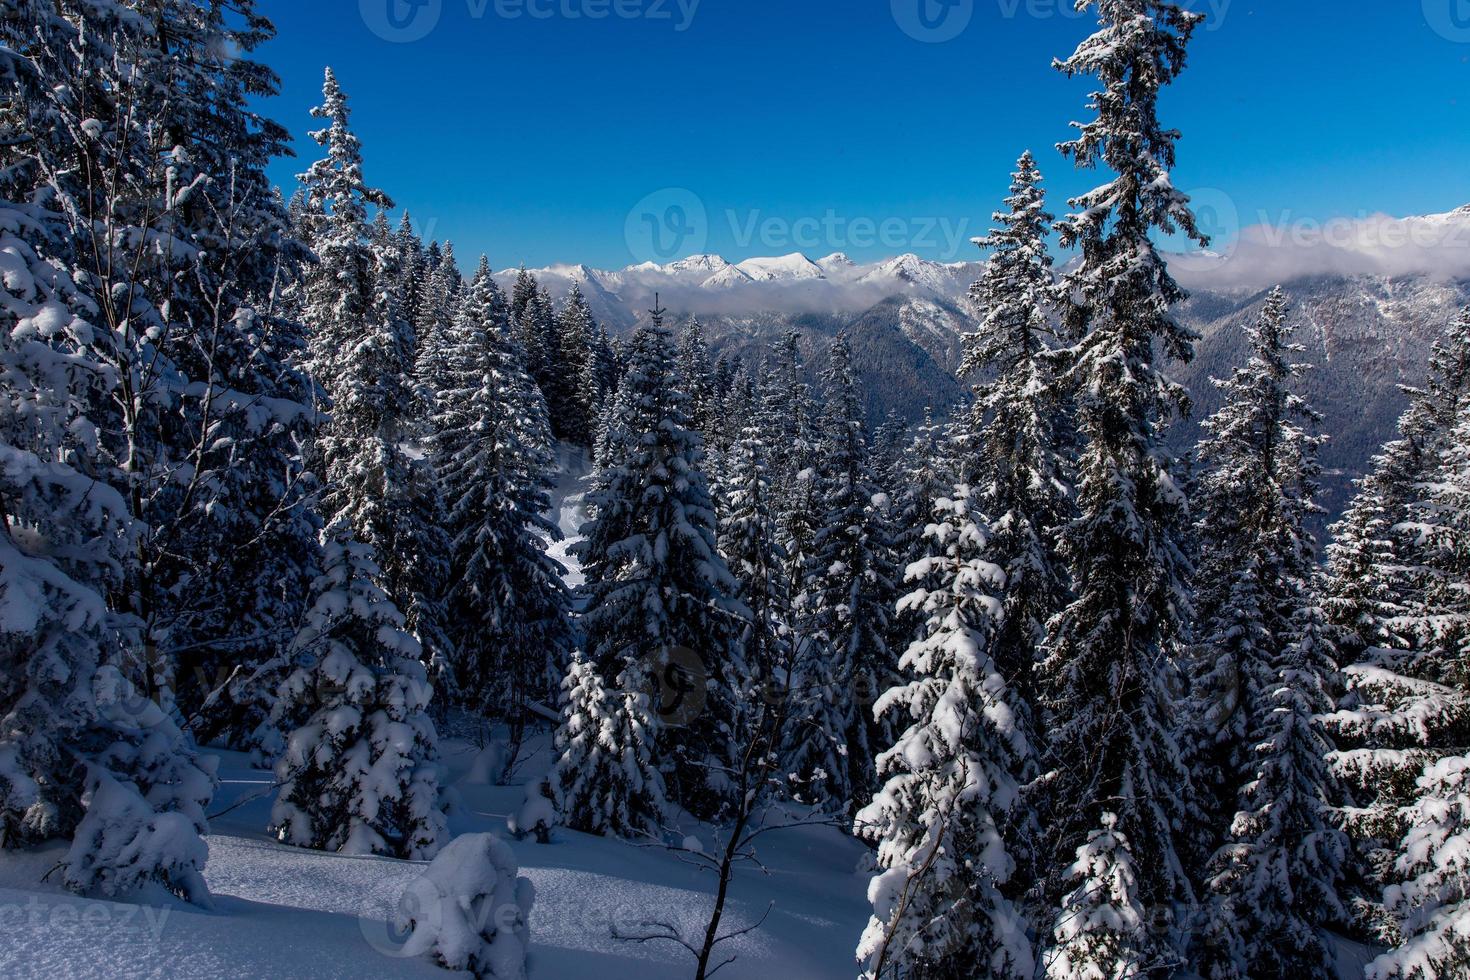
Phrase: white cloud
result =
(1437, 246)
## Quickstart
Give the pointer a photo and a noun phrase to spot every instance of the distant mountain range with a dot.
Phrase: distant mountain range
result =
(1369, 300)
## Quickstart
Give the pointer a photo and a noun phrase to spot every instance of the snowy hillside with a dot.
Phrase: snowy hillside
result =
(291, 914)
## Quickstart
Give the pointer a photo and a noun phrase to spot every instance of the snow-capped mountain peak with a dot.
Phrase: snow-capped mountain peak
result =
(727, 278)
(838, 263)
(705, 264)
(933, 277)
(786, 267)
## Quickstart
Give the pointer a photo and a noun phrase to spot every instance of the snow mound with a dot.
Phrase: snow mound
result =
(470, 910)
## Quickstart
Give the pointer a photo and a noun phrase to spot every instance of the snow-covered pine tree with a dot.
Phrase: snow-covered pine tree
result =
(1117, 782)
(1264, 670)
(490, 442)
(1430, 901)
(605, 780)
(83, 755)
(1395, 598)
(890, 440)
(535, 322)
(1019, 468)
(138, 128)
(1372, 559)
(787, 417)
(580, 388)
(923, 475)
(750, 543)
(437, 309)
(949, 821)
(359, 773)
(361, 353)
(845, 662)
(696, 378)
(660, 599)
(413, 273)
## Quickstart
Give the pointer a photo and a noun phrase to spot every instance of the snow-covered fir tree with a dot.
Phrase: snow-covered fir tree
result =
(697, 379)
(750, 542)
(1265, 670)
(1117, 781)
(490, 442)
(578, 335)
(85, 755)
(660, 600)
(1372, 560)
(359, 773)
(845, 612)
(361, 352)
(949, 820)
(206, 420)
(1019, 466)
(1430, 901)
(605, 780)
(1396, 599)
(434, 322)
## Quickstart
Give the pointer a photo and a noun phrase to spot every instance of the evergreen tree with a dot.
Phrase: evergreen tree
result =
(491, 445)
(358, 774)
(949, 821)
(660, 600)
(578, 381)
(138, 129)
(697, 379)
(1019, 468)
(605, 781)
(83, 754)
(1273, 882)
(1373, 557)
(1395, 598)
(1117, 780)
(750, 543)
(833, 737)
(361, 353)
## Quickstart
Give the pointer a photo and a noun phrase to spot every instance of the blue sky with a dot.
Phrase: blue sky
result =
(538, 131)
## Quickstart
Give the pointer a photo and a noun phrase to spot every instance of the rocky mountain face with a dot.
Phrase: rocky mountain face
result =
(1365, 334)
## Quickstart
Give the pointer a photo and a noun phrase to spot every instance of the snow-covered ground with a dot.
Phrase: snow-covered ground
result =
(569, 507)
(283, 912)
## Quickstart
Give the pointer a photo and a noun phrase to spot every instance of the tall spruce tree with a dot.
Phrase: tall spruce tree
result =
(661, 617)
(580, 389)
(361, 353)
(1427, 899)
(1117, 779)
(1393, 593)
(1019, 470)
(491, 447)
(1264, 675)
(358, 773)
(951, 828)
(845, 611)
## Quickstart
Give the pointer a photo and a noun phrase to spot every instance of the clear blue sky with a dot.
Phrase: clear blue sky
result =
(807, 124)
